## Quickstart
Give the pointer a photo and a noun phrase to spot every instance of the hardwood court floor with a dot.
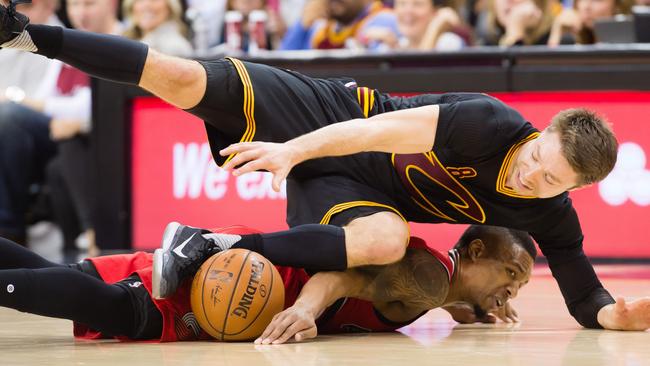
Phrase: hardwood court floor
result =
(547, 336)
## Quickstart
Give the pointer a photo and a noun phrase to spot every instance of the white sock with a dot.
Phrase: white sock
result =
(223, 241)
(23, 42)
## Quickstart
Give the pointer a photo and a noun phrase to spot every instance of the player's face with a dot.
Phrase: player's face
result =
(497, 279)
(540, 168)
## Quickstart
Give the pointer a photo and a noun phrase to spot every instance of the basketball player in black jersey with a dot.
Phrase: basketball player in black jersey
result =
(360, 164)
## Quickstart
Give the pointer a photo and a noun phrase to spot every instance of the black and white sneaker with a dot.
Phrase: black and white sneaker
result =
(12, 23)
(184, 249)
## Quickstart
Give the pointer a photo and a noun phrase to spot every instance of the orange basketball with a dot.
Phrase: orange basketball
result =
(235, 294)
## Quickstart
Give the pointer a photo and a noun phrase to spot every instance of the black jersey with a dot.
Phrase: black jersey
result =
(462, 180)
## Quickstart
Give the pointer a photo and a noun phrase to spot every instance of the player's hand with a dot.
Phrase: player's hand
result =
(623, 315)
(465, 314)
(276, 158)
(294, 322)
(506, 313)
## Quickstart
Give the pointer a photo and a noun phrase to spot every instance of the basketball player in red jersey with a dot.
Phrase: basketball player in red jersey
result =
(110, 296)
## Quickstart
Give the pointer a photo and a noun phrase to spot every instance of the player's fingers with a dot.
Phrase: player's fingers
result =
(278, 178)
(238, 147)
(501, 316)
(290, 332)
(251, 166)
(512, 314)
(310, 333)
(277, 319)
(280, 328)
(267, 331)
(241, 158)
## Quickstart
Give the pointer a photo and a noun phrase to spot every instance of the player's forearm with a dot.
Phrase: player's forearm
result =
(403, 132)
(324, 288)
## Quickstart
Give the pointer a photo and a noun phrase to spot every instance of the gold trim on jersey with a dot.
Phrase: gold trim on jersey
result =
(366, 99)
(347, 205)
(249, 102)
(505, 168)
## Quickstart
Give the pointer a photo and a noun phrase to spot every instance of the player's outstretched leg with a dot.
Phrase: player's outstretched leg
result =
(184, 249)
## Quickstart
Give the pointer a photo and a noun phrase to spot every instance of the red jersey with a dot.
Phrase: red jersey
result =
(179, 323)
(350, 315)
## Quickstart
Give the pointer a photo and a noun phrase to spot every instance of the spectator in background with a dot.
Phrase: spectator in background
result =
(518, 22)
(423, 25)
(290, 10)
(37, 128)
(338, 24)
(159, 24)
(577, 25)
(25, 77)
(275, 26)
(98, 16)
(206, 17)
(27, 71)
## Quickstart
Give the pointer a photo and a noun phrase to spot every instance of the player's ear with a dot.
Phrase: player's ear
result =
(475, 249)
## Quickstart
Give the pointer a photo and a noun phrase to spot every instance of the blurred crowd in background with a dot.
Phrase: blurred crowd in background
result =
(45, 106)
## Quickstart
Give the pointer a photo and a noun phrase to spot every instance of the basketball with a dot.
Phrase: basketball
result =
(235, 294)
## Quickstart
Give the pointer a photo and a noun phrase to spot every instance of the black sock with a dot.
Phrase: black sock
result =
(104, 56)
(316, 247)
(68, 294)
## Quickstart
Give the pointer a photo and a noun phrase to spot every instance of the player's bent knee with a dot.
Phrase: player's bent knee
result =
(387, 251)
(385, 237)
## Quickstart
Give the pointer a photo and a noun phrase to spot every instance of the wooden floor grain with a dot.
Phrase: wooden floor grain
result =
(547, 336)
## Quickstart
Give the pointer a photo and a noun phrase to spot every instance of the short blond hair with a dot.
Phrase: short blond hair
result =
(588, 143)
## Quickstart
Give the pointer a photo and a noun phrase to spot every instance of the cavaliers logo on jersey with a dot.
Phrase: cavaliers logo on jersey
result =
(421, 173)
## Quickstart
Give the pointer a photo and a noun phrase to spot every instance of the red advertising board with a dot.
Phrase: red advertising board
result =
(175, 179)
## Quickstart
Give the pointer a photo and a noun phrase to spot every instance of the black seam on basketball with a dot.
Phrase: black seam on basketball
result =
(207, 318)
(263, 307)
(232, 296)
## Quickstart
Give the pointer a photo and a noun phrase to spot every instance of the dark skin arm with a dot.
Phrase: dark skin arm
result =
(400, 292)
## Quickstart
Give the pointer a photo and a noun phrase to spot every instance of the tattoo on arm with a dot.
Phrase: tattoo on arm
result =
(419, 282)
